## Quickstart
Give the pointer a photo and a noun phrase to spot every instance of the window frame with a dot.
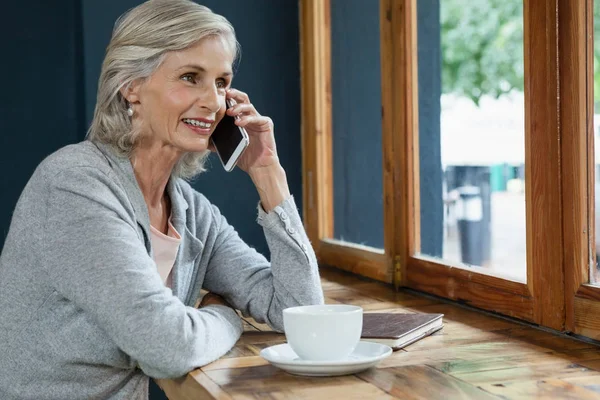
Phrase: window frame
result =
(317, 161)
(578, 168)
(558, 167)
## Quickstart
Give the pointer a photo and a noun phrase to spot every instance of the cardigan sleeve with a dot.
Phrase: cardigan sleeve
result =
(94, 256)
(255, 286)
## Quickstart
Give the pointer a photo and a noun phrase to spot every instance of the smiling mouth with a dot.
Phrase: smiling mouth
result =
(196, 123)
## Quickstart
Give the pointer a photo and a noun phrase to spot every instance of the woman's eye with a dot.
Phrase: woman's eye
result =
(189, 78)
(221, 84)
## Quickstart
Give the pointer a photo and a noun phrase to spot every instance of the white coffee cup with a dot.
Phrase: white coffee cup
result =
(323, 332)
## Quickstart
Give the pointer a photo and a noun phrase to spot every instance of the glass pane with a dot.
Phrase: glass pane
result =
(472, 134)
(356, 114)
(595, 269)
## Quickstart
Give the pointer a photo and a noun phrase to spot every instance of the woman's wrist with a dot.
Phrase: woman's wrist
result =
(271, 184)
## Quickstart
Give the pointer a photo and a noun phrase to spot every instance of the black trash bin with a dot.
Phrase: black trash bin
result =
(478, 176)
(469, 215)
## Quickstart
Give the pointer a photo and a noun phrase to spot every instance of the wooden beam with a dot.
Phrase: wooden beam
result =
(586, 313)
(488, 293)
(423, 267)
(590, 292)
(315, 70)
(545, 257)
(400, 132)
(588, 39)
(575, 107)
(369, 262)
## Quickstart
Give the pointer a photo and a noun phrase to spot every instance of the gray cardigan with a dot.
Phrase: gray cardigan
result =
(83, 311)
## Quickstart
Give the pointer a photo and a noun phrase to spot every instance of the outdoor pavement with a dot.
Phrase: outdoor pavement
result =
(509, 249)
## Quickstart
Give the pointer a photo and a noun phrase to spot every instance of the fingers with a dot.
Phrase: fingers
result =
(242, 108)
(238, 96)
(245, 113)
(258, 122)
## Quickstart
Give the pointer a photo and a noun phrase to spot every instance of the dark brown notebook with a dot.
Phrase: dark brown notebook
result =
(399, 330)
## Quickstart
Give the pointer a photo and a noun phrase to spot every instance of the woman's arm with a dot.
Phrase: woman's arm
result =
(236, 271)
(253, 285)
(271, 184)
(93, 256)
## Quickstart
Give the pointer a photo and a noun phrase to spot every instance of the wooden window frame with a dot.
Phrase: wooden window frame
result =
(315, 61)
(558, 167)
(582, 299)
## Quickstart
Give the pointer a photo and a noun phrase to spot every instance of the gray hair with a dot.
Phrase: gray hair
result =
(140, 40)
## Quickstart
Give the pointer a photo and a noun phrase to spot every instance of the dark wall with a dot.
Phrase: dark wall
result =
(356, 114)
(41, 102)
(430, 162)
(269, 72)
(56, 50)
(356, 107)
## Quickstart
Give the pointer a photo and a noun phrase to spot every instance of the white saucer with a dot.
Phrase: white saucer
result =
(366, 355)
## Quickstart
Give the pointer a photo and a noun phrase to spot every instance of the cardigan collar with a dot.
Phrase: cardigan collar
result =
(190, 247)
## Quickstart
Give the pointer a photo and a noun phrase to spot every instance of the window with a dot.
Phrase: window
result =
(522, 78)
(472, 135)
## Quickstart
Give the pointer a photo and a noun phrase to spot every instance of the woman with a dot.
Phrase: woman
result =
(109, 247)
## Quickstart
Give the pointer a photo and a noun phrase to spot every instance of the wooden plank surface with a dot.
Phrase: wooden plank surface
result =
(272, 383)
(475, 356)
(422, 382)
(545, 389)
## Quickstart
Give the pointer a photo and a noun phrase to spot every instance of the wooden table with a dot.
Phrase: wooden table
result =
(475, 356)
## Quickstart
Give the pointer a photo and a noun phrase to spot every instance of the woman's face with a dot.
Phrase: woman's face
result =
(181, 103)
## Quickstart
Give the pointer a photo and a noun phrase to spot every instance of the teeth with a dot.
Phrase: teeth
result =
(197, 123)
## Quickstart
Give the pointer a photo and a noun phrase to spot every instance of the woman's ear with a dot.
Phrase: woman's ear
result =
(131, 92)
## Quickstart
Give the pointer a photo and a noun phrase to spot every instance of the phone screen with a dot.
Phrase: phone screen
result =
(227, 137)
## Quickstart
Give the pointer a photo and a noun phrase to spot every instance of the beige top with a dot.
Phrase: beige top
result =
(164, 248)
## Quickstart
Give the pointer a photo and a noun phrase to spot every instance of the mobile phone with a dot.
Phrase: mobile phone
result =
(229, 140)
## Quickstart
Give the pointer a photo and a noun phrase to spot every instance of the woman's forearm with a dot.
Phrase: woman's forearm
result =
(271, 184)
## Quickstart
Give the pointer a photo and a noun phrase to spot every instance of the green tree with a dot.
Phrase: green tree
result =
(482, 47)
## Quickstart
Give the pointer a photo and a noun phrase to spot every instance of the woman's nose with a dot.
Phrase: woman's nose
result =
(210, 100)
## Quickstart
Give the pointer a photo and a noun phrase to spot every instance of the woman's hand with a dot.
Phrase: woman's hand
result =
(262, 152)
(260, 159)
(211, 298)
